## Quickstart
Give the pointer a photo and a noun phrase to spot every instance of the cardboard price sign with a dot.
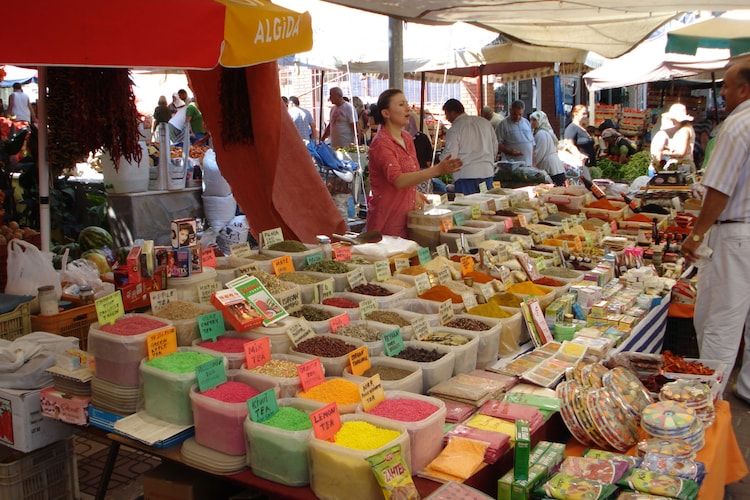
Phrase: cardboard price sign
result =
(459, 219)
(366, 307)
(469, 299)
(282, 265)
(206, 289)
(422, 283)
(241, 250)
(109, 308)
(312, 259)
(271, 237)
(210, 374)
(161, 299)
(444, 276)
(161, 343)
(423, 254)
(442, 250)
(359, 360)
(310, 374)
(421, 328)
(487, 290)
(247, 269)
(356, 278)
(446, 224)
(323, 290)
(326, 422)
(371, 392)
(467, 265)
(393, 342)
(402, 263)
(445, 312)
(338, 321)
(482, 187)
(476, 211)
(382, 270)
(257, 352)
(300, 331)
(211, 325)
(341, 252)
(208, 257)
(263, 406)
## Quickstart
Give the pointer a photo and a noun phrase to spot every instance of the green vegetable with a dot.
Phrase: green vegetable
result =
(610, 169)
(596, 172)
(637, 166)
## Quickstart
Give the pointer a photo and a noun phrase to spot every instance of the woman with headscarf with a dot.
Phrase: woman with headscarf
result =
(617, 145)
(545, 148)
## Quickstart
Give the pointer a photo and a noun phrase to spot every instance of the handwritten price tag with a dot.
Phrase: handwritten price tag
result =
(551, 208)
(476, 211)
(341, 252)
(487, 290)
(271, 237)
(442, 250)
(371, 392)
(402, 263)
(445, 312)
(444, 276)
(162, 342)
(326, 422)
(263, 406)
(356, 278)
(366, 307)
(211, 325)
(300, 331)
(467, 265)
(109, 308)
(393, 342)
(323, 290)
(382, 270)
(469, 299)
(205, 290)
(423, 254)
(359, 360)
(482, 187)
(312, 259)
(459, 219)
(421, 328)
(247, 269)
(522, 220)
(241, 250)
(444, 199)
(540, 263)
(208, 257)
(508, 223)
(310, 374)
(257, 352)
(338, 321)
(422, 283)
(446, 224)
(210, 374)
(282, 265)
(161, 299)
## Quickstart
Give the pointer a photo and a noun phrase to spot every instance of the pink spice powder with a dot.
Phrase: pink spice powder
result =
(132, 325)
(226, 344)
(404, 410)
(231, 392)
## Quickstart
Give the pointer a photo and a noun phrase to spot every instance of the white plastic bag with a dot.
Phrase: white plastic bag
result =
(219, 210)
(29, 268)
(214, 184)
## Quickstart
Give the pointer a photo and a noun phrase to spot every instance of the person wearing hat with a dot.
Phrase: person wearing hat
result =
(680, 135)
(617, 145)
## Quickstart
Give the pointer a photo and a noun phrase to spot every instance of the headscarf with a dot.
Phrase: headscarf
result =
(610, 132)
(542, 120)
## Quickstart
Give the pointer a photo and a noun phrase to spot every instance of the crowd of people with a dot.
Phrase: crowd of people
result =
(176, 114)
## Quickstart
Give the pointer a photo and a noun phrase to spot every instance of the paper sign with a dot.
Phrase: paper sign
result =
(393, 342)
(206, 289)
(359, 360)
(402, 263)
(247, 269)
(382, 270)
(211, 325)
(551, 208)
(257, 352)
(371, 392)
(566, 225)
(310, 374)
(162, 342)
(312, 259)
(444, 275)
(323, 290)
(540, 263)
(326, 422)
(467, 265)
(356, 278)
(446, 224)
(487, 290)
(476, 211)
(263, 406)
(161, 299)
(445, 312)
(241, 250)
(522, 220)
(508, 223)
(300, 331)
(366, 307)
(271, 237)
(109, 308)
(208, 257)
(341, 253)
(423, 254)
(444, 199)
(543, 212)
(421, 328)
(282, 265)
(338, 321)
(517, 247)
(422, 283)
(210, 374)
(459, 219)
(442, 251)
(469, 299)
(613, 225)
(482, 187)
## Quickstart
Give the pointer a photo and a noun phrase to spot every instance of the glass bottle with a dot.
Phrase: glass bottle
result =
(595, 189)
(631, 203)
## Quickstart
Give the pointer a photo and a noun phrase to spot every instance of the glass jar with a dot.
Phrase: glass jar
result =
(86, 294)
(47, 300)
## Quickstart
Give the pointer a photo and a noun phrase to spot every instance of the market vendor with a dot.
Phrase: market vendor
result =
(617, 145)
(394, 168)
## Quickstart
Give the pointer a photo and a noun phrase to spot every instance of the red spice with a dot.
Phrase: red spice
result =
(226, 344)
(603, 204)
(546, 281)
(132, 325)
(231, 392)
(340, 302)
(404, 410)
(639, 218)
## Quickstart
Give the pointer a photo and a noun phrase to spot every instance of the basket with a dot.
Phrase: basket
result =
(35, 240)
(49, 473)
(15, 323)
(71, 323)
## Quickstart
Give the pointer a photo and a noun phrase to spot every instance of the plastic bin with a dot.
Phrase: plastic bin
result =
(407, 332)
(220, 425)
(473, 237)
(374, 348)
(608, 215)
(340, 281)
(426, 308)
(187, 329)
(299, 259)
(288, 386)
(433, 372)
(277, 454)
(333, 366)
(118, 357)
(276, 333)
(424, 236)
(16, 323)
(410, 383)
(324, 326)
(489, 340)
(74, 322)
(490, 228)
(187, 288)
(399, 293)
(337, 472)
(434, 218)
(47, 473)
(426, 435)
(570, 199)
(226, 266)
(307, 291)
(466, 355)
(235, 360)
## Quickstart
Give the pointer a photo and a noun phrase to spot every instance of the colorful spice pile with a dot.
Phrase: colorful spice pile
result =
(226, 344)
(388, 317)
(360, 331)
(528, 288)
(179, 362)
(340, 302)
(335, 390)
(603, 204)
(479, 276)
(489, 310)
(372, 289)
(325, 346)
(445, 338)
(404, 410)
(359, 435)
(441, 293)
(180, 309)
(299, 278)
(505, 299)
(468, 324)
(311, 313)
(419, 354)
(413, 270)
(387, 372)
(291, 246)
(329, 267)
(280, 368)
(547, 281)
(289, 419)
(132, 325)
(639, 218)
(231, 392)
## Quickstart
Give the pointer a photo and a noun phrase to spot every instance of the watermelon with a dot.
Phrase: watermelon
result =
(99, 258)
(94, 237)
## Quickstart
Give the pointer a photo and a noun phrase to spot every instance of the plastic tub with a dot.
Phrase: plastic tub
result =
(424, 236)
(235, 360)
(544, 300)
(226, 266)
(398, 294)
(299, 259)
(333, 366)
(324, 326)
(433, 372)
(279, 455)
(118, 357)
(338, 472)
(489, 340)
(513, 331)
(353, 312)
(367, 269)
(187, 329)
(187, 288)
(220, 425)
(473, 237)
(288, 386)
(276, 333)
(307, 291)
(490, 228)
(407, 332)
(374, 348)
(410, 383)
(466, 355)
(428, 309)
(340, 280)
(426, 435)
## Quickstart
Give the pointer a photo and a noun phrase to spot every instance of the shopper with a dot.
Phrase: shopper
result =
(472, 139)
(303, 120)
(514, 136)
(545, 150)
(162, 113)
(723, 303)
(341, 127)
(577, 135)
(19, 106)
(617, 145)
(394, 168)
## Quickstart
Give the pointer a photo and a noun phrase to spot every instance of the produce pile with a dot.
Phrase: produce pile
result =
(12, 231)
(94, 244)
(636, 167)
(196, 152)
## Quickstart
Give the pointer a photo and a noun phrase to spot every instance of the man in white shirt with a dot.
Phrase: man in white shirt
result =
(514, 136)
(303, 120)
(472, 139)
(341, 127)
(19, 106)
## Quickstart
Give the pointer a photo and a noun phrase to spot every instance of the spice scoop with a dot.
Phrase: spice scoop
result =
(365, 237)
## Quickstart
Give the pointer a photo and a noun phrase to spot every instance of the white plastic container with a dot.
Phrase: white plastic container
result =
(466, 355)
(410, 383)
(340, 281)
(426, 435)
(119, 356)
(337, 472)
(473, 237)
(544, 300)
(513, 331)
(353, 312)
(324, 325)
(235, 360)
(334, 366)
(406, 331)
(187, 288)
(288, 386)
(398, 294)
(276, 333)
(490, 228)
(427, 308)
(433, 372)
(489, 340)
(187, 329)
(374, 348)
(307, 291)
(299, 259)
(226, 266)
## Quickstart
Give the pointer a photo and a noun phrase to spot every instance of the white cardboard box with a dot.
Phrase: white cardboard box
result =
(22, 426)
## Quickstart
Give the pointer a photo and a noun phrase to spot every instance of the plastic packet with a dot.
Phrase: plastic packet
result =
(630, 495)
(392, 473)
(610, 455)
(567, 487)
(607, 471)
(674, 466)
(659, 484)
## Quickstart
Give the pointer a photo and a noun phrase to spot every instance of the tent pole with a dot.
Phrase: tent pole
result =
(396, 53)
(716, 101)
(44, 212)
(480, 80)
(422, 88)
(322, 100)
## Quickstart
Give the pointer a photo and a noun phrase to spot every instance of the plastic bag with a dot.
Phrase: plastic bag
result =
(29, 268)
(214, 184)
(82, 272)
(24, 361)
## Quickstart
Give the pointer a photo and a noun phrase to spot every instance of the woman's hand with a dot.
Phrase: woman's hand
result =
(449, 165)
(420, 200)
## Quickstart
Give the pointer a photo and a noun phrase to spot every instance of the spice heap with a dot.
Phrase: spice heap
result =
(359, 435)
(445, 338)
(489, 310)
(360, 331)
(280, 368)
(179, 362)
(328, 267)
(231, 392)
(289, 419)
(325, 346)
(404, 410)
(340, 302)
(291, 246)
(226, 344)
(419, 354)
(441, 293)
(372, 289)
(272, 283)
(311, 313)
(179, 310)
(300, 278)
(467, 324)
(529, 288)
(386, 372)
(132, 325)
(388, 317)
(335, 390)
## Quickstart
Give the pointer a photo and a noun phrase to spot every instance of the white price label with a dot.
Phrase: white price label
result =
(162, 298)
(271, 237)
(241, 250)
(356, 278)
(206, 289)
(422, 282)
(445, 312)
(382, 270)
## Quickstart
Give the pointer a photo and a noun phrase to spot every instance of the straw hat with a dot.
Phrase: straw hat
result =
(678, 113)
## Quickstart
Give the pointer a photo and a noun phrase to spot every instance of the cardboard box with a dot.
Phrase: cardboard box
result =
(69, 409)
(173, 482)
(136, 295)
(134, 265)
(22, 426)
(184, 232)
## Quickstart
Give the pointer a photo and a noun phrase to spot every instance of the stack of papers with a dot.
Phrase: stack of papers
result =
(468, 389)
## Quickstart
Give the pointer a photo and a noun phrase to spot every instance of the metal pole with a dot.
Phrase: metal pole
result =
(422, 92)
(396, 53)
(322, 101)
(45, 227)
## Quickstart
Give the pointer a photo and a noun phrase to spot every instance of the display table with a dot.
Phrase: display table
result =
(721, 454)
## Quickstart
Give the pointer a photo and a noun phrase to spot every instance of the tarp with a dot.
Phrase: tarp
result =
(649, 62)
(716, 33)
(607, 27)
(14, 74)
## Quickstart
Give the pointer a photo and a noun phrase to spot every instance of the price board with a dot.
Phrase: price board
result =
(423, 254)
(367, 306)
(310, 374)
(422, 283)
(393, 342)
(161, 342)
(208, 257)
(421, 328)
(257, 352)
(402, 263)
(442, 251)
(271, 237)
(326, 422)
(109, 308)
(300, 331)
(359, 360)
(356, 278)
(467, 265)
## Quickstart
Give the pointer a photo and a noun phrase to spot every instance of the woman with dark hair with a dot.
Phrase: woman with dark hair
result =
(394, 168)
(577, 135)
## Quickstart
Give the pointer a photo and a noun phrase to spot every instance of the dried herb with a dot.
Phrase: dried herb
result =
(236, 118)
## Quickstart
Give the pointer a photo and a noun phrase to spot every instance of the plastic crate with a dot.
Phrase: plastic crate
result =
(46, 474)
(15, 323)
(71, 323)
